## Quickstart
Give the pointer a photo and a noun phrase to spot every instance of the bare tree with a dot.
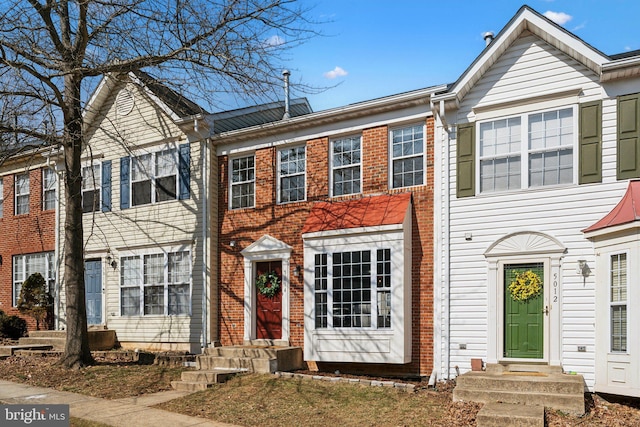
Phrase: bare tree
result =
(53, 51)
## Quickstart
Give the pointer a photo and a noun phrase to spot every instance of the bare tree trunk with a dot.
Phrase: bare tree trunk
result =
(77, 353)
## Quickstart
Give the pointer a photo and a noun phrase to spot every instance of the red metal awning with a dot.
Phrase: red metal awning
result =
(365, 212)
(626, 210)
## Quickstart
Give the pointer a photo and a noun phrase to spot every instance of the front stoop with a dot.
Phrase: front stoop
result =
(99, 339)
(217, 364)
(526, 385)
(510, 415)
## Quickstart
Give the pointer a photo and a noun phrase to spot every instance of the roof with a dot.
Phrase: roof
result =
(370, 211)
(258, 115)
(180, 105)
(527, 19)
(626, 211)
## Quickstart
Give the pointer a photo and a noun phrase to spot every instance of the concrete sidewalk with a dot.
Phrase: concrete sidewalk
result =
(132, 411)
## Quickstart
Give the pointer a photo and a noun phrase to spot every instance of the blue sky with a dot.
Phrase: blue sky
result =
(374, 48)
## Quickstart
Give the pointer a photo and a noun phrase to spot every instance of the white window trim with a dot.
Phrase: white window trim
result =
(53, 189)
(153, 176)
(332, 168)
(612, 304)
(375, 345)
(95, 180)
(49, 263)
(141, 285)
(424, 154)
(280, 176)
(524, 151)
(231, 183)
(17, 194)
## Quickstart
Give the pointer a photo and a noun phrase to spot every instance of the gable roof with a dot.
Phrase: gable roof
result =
(175, 105)
(526, 19)
(626, 211)
(371, 211)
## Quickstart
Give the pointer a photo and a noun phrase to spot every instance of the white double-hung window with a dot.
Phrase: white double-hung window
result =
(407, 153)
(618, 302)
(154, 177)
(25, 265)
(346, 166)
(155, 284)
(292, 168)
(527, 150)
(22, 194)
(48, 189)
(242, 183)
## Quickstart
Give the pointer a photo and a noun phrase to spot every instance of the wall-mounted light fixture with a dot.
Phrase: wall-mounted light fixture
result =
(297, 270)
(232, 243)
(583, 268)
(112, 262)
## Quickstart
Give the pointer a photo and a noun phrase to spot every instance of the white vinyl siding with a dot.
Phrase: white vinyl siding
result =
(528, 67)
(22, 194)
(49, 180)
(242, 182)
(292, 174)
(346, 166)
(407, 152)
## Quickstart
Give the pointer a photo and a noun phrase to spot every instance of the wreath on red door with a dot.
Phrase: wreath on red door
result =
(268, 284)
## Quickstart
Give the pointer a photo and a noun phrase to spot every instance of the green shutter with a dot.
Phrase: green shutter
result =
(628, 151)
(590, 143)
(466, 160)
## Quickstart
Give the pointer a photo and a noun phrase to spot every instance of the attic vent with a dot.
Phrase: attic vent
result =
(124, 102)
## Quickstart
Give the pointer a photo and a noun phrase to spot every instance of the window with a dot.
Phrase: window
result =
(242, 182)
(407, 152)
(25, 265)
(618, 302)
(155, 284)
(357, 294)
(48, 189)
(531, 150)
(91, 178)
(22, 194)
(1, 197)
(292, 166)
(345, 165)
(154, 177)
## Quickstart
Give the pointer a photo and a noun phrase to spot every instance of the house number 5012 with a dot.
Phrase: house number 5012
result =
(555, 287)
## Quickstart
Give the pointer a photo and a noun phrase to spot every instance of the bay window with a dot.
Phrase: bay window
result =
(25, 265)
(618, 302)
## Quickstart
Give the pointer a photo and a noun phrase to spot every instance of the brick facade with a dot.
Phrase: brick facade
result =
(22, 234)
(284, 222)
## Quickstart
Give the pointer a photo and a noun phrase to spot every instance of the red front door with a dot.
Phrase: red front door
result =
(269, 310)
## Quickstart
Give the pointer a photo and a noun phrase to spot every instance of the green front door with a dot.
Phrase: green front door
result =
(523, 320)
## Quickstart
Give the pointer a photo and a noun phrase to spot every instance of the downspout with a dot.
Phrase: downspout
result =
(441, 242)
(446, 274)
(205, 236)
(56, 254)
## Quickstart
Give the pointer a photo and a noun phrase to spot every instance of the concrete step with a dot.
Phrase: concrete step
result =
(569, 403)
(262, 365)
(523, 367)
(48, 334)
(55, 342)
(202, 380)
(238, 351)
(510, 415)
(10, 350)
(523, 382)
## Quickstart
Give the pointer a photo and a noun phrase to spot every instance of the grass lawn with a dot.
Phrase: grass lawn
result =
(266, 400)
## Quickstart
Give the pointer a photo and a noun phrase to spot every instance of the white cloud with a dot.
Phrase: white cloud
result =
(578, 27)
(274, 41)
(559, 18)
(336, 72)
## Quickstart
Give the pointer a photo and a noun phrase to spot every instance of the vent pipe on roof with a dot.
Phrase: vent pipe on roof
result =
(488, 37)
(286, 74)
